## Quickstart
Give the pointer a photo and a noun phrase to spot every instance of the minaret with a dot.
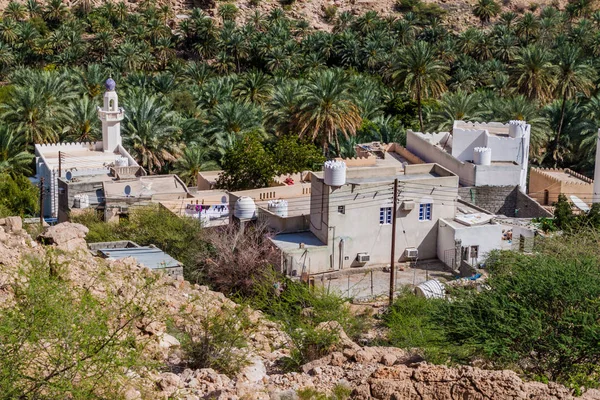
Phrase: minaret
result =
(111, 116)
(596, 195)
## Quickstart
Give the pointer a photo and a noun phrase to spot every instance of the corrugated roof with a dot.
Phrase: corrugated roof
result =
(151, 257)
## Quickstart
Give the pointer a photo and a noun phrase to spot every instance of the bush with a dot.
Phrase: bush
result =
(330, 12)
(218, 341)
(18, 196)
(238, 261)
(181, 238)
(406, 5)
(300, 310)
(59, 341)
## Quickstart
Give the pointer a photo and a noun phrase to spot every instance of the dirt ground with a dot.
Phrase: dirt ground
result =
(376, 282)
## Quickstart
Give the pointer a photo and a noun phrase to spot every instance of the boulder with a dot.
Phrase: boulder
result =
(66, 236)
(13, 224)
(167, 341)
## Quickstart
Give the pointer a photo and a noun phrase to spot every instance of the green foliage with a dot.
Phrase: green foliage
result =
(330, 13)
(179, 237)
(60, 341)
(339, 392)
(218, 340)
(18, 196)
(247, 165)
(292, 155)
(300, 310)
(538, 313)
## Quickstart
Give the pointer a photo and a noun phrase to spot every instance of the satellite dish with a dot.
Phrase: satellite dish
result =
(127, 190)
(579, 203)
(69, 175)
(224, 200)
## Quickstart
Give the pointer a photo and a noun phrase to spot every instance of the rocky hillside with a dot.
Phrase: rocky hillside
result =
(366, 372)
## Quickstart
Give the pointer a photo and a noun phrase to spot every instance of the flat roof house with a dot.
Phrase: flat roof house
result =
(84, 159)
(546, 184)
(481, 154)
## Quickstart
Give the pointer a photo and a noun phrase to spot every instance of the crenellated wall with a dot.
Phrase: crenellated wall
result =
(546, 184)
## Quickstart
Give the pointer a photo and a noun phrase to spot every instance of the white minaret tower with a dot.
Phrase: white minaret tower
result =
(111, 116)
(596, 195)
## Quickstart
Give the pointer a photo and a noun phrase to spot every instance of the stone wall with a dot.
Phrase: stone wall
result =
(529, 208)
(495, 199)
(504, 200)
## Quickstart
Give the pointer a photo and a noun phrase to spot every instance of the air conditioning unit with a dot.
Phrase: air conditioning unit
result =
(408, 205)
(363, 257)
(412, 253)
(123, 209)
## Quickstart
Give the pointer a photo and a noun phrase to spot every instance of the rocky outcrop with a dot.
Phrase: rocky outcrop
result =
(66, 236)
(369, 372)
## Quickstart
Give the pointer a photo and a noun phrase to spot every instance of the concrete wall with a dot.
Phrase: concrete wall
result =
(432, 154)
(540, 182)
(488, 237)
(464, 141)
(294, 223)
(358, 230)
(497, 175)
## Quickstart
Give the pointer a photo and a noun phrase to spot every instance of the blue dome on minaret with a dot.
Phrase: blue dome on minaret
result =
(110, 84)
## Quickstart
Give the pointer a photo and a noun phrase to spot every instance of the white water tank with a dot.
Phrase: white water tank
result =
(245, 208)
(431, 289)
(121, 161)
(518, 128)
(81, 201)
(482, 156)
(334, 173)
(278, 207)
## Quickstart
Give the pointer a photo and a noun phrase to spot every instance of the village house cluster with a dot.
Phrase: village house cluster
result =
(458, 195)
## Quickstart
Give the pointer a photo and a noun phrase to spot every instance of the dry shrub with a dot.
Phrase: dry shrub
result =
(239, 258)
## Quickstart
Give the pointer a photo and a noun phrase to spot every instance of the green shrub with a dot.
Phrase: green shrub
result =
(300, 310)
(59, 341)
(330, 13)
(18, 196)
(179, 237)
(406, 5)
(218, 340)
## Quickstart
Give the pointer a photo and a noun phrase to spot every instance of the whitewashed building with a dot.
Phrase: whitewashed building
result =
(481, 154)
(74, 160)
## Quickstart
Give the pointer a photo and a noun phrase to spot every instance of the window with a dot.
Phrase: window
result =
(342, 209)
(385, 215)
(425, 212)
(111, 105)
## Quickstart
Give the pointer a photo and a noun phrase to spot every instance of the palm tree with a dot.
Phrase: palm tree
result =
(149, 131)
(14, 158)
(328, 107)
(284, 106)
(570, 118)
(486, 10)
(455, 106)
(420, 73)
(575, 75)
(255, 87)
(15, 11)
(527, 26)
(193, 160)
(533, 73)
(35, 111)
(228, 11)
(83, 124)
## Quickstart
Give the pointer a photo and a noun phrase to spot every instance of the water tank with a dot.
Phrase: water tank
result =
(81, 201)
(431, 289)
(121, 161)
(245, 208)
(334, 173)
(482, 156)
(278, 207)
(518, 128)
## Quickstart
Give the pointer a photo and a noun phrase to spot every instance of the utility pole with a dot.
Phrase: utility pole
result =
(393, 255)
(60, 164)
(42, 201)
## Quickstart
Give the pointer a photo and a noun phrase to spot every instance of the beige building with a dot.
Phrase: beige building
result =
(546, 184)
